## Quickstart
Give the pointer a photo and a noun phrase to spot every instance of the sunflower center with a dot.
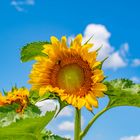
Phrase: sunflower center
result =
(70, 77)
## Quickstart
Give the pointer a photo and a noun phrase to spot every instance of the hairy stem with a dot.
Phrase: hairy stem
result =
(77, 127)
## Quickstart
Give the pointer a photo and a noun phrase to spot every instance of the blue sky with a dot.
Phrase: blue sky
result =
(115, 24)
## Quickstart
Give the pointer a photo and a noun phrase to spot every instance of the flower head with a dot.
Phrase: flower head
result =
(19, 96)
(2, 99)
(70, 72)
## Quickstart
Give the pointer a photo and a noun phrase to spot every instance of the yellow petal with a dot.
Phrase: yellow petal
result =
(86, 47)
(78, 39)
(97, 76)
(98, 94)
(95, 64)
(63, 42)
(49, 50)
(99, 87)
(70, 99)
(91, 57)
(74, 101)
(81, 103)
(54, 40)
(42, 91)
(88, 106)
(63, 97)
(92, 100)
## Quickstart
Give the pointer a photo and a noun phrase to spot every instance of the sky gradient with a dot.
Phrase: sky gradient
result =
(115, 25)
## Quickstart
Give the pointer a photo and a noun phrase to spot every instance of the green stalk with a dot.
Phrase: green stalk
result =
(82, 134)
(77, 126)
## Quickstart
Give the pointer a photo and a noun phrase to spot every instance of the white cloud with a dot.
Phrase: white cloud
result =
(115, 61)
(47, 105)
(136, 62)
(101, 36)
(67, 111)
(69, 125)
(135, 79)
(131, 138)
(20, 5)
(124, 49)
(66, 126)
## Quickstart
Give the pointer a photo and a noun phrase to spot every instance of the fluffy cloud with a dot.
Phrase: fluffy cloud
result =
(131, 138)
(47, 105)
(69, 125)
(115, 61)
(50, 105)
(135, 79)
(101, 36)
(136, 62)
(66, 126)
(20, 4)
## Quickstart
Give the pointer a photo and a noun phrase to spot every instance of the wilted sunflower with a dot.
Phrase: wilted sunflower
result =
(71, 72)
(19, 96)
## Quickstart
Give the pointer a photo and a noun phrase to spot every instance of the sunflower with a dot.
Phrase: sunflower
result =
(2, 100)
(71, 72)
(19, 96)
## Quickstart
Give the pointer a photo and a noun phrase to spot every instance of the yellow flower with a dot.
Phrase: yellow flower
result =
(2, 100)
(19, 96)
(70, 72)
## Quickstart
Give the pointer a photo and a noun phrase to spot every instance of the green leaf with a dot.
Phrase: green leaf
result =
(32, 50)
(34, 98)
(19, 136)
(7, 108)
(8, 114)
(32, 108)
(29, 128)
(123, 92)
(48, 135)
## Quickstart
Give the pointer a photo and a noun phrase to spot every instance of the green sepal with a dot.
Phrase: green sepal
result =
(5, 92)
(88, 40)
(102, 62)
(99, 49)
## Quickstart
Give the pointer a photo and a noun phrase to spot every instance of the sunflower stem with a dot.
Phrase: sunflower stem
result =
(84, 132)
(77, 126)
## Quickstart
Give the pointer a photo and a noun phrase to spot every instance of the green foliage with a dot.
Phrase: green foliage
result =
(8, 114)
(8, 108)
(34, 98)
(32, 50)
(26, 128)
(123, 92)
(29, 125)
(48, 135)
